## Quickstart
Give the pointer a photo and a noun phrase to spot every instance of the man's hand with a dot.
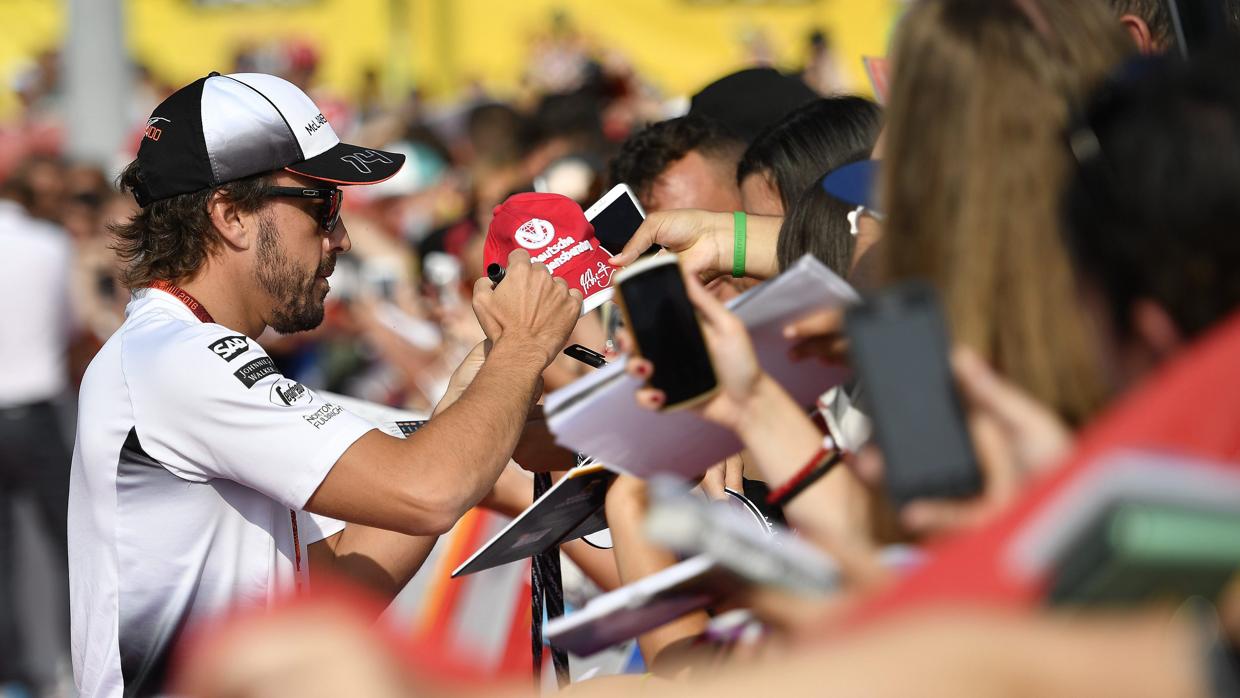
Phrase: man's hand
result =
(693, 235)
(512, 494)
(530, 308)
(463, 375)
(537, 450)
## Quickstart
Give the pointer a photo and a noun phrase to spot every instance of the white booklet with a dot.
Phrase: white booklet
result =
(572, 508)
(644, 605)
(597, 415)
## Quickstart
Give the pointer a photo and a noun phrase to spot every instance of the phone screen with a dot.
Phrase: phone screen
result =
(899, 348)
(665, 327)
(615, 225)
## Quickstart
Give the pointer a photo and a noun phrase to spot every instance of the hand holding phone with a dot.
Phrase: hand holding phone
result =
(615, 217)
(898, 343)
(729, 354)
(666, 331)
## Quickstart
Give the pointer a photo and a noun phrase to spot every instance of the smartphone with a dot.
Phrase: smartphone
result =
(665, 329)
(616, 217)
(899, 346)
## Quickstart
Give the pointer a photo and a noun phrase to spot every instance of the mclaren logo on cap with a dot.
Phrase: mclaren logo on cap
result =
(535, 234)
(363, 160)
(152, 131)
(316, 124)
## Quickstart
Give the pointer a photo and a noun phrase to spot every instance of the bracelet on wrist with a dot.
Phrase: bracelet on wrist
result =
(823, 460)
(739, 234)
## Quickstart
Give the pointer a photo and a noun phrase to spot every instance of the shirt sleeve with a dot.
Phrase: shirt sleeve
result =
(316, 527)
(211, 404)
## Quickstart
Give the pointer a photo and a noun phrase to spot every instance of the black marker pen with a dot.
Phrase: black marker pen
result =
(495, 273)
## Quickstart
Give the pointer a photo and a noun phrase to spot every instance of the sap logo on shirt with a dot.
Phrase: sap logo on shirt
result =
(231, 347)
(287, 393)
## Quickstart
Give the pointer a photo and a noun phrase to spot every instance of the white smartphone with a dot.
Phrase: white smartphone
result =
(616, 217)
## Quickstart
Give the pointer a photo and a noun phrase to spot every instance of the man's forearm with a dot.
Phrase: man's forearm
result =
(462, 451)
(536, 449)
(377, 559)
(423, 484)
(384, 560)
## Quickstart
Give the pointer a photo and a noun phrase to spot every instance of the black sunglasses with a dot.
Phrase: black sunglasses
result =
(329, 212)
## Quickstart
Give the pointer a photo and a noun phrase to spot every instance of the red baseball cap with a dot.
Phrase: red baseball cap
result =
(555, 232)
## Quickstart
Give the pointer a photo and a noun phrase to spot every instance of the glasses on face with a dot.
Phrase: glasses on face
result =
(329, 211)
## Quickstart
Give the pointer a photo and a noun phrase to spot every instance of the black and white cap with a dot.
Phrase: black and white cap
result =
(224, 127)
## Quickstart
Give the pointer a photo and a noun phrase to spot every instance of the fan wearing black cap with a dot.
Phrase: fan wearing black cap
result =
(202, 479)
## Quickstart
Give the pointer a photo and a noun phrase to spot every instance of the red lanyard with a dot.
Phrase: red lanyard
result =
(182, 295)
(200, 311)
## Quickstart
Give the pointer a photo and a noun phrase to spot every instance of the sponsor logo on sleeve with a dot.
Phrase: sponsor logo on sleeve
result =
(286, 393)
(230, 347)
(323, 415)
(255, 371)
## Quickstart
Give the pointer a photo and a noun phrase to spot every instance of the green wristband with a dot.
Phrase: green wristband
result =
(738, 244)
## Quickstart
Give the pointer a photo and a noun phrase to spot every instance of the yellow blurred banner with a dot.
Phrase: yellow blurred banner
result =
(445, 46)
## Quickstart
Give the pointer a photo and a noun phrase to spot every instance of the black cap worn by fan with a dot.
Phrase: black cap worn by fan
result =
(225, 127)
(750, 101)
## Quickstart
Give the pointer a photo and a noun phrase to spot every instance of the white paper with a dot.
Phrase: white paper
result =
(598, 415)
(633, 609)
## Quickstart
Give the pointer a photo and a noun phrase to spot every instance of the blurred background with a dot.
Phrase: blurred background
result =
(486, 98)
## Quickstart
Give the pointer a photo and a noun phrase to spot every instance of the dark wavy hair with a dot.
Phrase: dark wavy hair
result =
(647, 153)
(171, 238)
(815, 138)
(818, 224)
(1152, 211)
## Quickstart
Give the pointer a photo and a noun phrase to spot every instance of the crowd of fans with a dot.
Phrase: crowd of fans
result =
(1071, 200)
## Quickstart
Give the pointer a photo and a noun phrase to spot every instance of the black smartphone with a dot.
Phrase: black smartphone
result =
(665, 329)
(616, 217)
(899, 346)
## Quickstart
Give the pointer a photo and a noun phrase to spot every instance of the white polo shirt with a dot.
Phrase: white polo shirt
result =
(34, 302)
(192, 452)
